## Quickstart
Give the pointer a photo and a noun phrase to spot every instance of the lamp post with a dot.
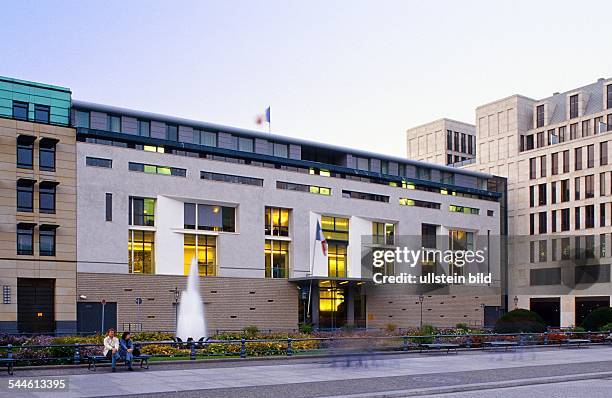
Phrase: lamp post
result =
(177, 294)
(482, 306)
(516, 302)
(421, 298)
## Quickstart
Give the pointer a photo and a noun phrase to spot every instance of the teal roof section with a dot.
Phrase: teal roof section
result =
(58, 99)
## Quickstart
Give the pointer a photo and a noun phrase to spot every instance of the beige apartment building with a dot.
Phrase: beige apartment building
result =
(443, 141)
(554, 153)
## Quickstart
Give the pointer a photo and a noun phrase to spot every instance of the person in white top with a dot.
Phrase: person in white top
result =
(111, 348)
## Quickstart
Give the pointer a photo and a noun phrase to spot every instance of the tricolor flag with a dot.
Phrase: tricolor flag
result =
(321, 238)
(319, 253)
(263, 118)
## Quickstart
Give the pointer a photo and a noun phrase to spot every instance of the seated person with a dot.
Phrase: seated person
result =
(111, 347)
(126, 348)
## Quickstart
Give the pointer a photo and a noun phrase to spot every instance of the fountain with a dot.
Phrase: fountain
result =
(190, 323)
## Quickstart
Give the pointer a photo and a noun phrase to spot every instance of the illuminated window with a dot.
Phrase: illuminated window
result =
(383, 233)
(336, 259)
(291, 186)
(142, 211)
(204, 249)
(335, 228)
(276, 221)
(209, 217)
(459, 240)
(141, 252)
(463, 209)
(418, 203)
(277, 258)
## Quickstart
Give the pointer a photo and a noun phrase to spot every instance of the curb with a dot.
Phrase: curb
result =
(477, 386)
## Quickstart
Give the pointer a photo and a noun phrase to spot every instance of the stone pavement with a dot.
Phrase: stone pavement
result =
(330, 377)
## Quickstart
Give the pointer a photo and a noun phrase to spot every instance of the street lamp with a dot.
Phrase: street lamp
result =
(177, 295)
(516, 302)
(421, 298)
(482, 306)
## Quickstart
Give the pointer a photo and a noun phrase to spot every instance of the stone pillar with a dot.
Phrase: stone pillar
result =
(314, 304)
(350, 305)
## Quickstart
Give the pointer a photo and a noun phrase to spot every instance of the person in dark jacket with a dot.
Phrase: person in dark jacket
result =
(126, 347)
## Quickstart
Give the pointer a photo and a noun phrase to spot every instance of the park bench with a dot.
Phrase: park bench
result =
(440, 347)
(575, 343)
(506, 345)
(9, 362)
(92, 360)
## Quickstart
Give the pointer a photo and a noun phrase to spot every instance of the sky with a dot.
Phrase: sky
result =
(353, 73)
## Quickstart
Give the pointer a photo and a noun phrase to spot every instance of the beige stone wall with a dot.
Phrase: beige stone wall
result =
(394, 305)
(230, 303)
(61, 267)
(428, 142)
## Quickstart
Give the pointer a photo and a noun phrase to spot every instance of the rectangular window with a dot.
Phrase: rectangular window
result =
(41, 113)
(543, 166)
(597, 125)
(142, 211)
(542, 194)
(532, 200)
(46, 154)
(566, 162)
(532, 224)
(589, 186)
(113, 123)
(540, 139)
(245, 144)
(532, 168)
(47, 241)
(578, 159)
(20, 110)
(545, 276)
(589, 216)
(573, 131)
(203, 248)
(208, 139)
(573, 106)
(276, 254)
(540, 116)
(553, 221)
(565, 191)
(209, 217)
(47, 197)
(383, 233)
(457, 143)
(419, 203)
(602, 184)
(459, 240)
(449, 140)
(463, 209)
(463, 138)
(586, 128)
(109, 206)
(291, 186)
(577, 218)
(337, 260)
(542, 227)
(281, 150)
(470, 144)
(562, 137)
(276, 221)
(553, 192)
(172, 132)
(592, 274)
(144, 128)
(603, 153)
(565, 219)
(98, 162)
(602, 214)
(577, 188)
(609, 122)
(552, 137)
(335, 228)
(25, 195)
(25, 240)
(154, 169)
(233, 179)
(81, 119)
(609, 96)
(365, 196)
(25, 151)
(554, 169)
(141, 252)
(590, 156)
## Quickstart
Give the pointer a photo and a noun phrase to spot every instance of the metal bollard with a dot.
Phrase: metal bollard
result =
(289, 347)
(9, 351)
(243, 352)
(192, 351)
(545, 338)
(77, 354)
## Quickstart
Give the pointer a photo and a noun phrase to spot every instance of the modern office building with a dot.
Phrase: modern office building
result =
(554, 153)
(155, 191)
(443, 141)
(37, 208)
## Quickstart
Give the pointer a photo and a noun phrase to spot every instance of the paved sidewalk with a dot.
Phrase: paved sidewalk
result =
(436, 369)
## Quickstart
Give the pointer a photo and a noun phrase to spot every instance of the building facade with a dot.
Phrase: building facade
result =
(554, 153)
(154, 192)
(443, 141)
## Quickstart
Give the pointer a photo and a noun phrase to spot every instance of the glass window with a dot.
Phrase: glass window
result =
(589, 190)
(25, 195)
(141, 252)
(245, 144)
(108, 206)
(113, 123)
(383, 233)
(281, 150)
(603, 153)
(144, 128)
(540, 116)
(203, 248)
(41, 113)
(459, 240)
(172, 132)
(574, 106)
(578, 159)
(47, 242)
(25, 153)
(142, 211)
(532, 168)
(81, 119)
(20, 110)
(208, 138)
(276, 258)
(335, 228)
(573, 131)
(586, 128)
(98, 162)
(46, 154)
(337, 259)
(210, 217)
(609, 96)
(47, 198)
(189, 216)
(25, 240)
(554, 169)
(276, 221)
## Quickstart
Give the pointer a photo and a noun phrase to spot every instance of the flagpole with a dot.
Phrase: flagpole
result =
(314, 246)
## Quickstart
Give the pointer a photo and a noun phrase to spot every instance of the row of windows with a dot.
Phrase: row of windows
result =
(563, 187)
(565, 159)
(154, 169)
(46, 239)
(234, 179)
(460, 142)
(566, 133)
(365, 196)
(564, 214)
(583, 274)
(418, 203)
(565, 248)
(573, 107)
(41, 112)
(46, 196)
(46, 152)
(292, 186)
(463, 209)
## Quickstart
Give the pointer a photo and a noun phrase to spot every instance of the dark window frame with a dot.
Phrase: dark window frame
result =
(20, 105)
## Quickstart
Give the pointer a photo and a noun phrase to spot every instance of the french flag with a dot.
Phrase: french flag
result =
(265, 117)
(321, 238)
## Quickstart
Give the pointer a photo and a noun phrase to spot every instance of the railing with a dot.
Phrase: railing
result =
(329, 346)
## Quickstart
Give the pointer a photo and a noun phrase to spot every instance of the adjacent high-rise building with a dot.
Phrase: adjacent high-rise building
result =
(554, 154)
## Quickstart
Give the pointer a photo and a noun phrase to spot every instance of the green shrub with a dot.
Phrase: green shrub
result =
(152, 336)
(390, 327)
(463, 327)
(520, 321)
(606, 328)
(250, 332)
(597, 318)
(65, 352)
(305, 328)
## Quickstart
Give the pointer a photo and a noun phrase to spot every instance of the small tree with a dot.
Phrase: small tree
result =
(520, 321)
(597, 318)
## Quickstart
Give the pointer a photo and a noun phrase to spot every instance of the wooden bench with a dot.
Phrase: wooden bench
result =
(441, 347)
(92, 360)
(506, 345)
(575, 342)
(9, 362)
